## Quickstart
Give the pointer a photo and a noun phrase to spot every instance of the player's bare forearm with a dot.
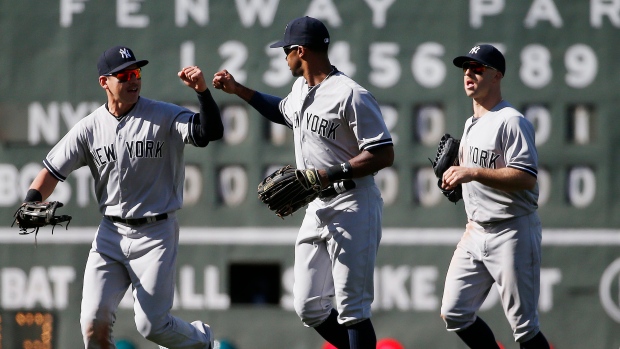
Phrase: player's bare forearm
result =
(506, 179)
(45, 183)
(224, 81)
(366, 163)
(371, 161)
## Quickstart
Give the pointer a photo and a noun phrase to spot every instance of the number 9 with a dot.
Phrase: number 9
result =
(582, 66)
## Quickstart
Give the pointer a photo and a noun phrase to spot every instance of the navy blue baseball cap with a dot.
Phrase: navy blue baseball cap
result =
(117, 58)
(484, 54)
(304, 31)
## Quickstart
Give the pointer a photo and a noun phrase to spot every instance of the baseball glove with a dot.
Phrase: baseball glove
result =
(31, 216)
(447, 155)
(288, 189)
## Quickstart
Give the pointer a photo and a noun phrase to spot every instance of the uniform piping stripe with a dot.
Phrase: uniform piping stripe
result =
(191, 129)
(288, 124)
(53, 171)
(530, 170)
(377, 143)
(281, 109)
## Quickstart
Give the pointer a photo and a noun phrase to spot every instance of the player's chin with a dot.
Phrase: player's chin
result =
(133, 93)
(296, 72)
(131, 98)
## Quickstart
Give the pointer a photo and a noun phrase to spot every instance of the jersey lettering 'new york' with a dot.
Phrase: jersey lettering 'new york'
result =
(483, 158)
(135, 149)
(133, 159)
(323, 128)
(501, 138)
(333, 121)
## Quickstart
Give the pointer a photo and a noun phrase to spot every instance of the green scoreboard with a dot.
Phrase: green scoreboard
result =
(561, 74)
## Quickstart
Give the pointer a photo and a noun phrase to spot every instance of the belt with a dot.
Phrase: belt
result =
(139, 221)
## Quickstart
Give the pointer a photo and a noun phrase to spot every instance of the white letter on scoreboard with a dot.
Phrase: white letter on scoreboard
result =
(379, 9)
(249, 10)
(197, 9)
(543, 10)
(602, 8)
(67, 9)
(326, 11)
(480, 8)
(126, 16)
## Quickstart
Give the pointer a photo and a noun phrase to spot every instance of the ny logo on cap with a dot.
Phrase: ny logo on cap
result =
(124, 53)
(474, 50)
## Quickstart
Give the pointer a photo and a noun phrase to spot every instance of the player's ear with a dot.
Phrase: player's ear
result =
(301, 50)
(498, 76)
(103, 81)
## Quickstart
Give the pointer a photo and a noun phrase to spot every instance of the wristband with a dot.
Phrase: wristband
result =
(33, 195)
(339, 172)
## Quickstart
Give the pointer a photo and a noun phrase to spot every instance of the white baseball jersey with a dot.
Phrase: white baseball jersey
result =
(502, 137)
(133, 159)
(323, 116)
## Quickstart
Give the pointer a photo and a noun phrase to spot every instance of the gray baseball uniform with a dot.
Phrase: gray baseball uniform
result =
(137, 164)
(502, 240)
(338, 131)
(338, 240)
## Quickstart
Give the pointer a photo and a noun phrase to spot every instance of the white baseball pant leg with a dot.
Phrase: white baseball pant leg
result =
(145, 257)
(509, 254)
(335, 256)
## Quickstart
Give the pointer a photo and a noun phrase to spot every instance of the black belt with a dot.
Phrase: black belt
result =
(139, 221)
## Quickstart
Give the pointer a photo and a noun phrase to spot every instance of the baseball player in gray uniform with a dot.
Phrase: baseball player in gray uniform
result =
(501, 243)
(133, 147)
(339, 130)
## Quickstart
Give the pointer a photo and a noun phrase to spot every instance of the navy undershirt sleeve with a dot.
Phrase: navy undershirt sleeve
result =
(268, 106)
(209, 126)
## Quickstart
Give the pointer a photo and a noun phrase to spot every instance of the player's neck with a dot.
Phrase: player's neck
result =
(316, 74)
(119, 109)
(483, 105)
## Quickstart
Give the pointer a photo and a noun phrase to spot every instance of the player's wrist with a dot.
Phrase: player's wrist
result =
(33, 195)
(339, 172)
(322, 174)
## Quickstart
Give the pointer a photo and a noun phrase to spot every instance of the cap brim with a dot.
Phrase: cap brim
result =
(280, 43)
(123, 66)
(458, 61)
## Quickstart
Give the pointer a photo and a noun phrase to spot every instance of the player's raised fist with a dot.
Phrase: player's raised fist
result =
(192, 76)
(223, 80)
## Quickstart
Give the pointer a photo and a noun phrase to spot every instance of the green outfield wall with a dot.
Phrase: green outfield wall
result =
(239, 280)
(561, 73)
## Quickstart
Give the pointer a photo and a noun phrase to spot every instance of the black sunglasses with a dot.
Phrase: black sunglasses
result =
(289, 49)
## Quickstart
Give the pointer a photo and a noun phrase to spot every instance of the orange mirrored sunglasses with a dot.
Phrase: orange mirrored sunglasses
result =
(125, 75)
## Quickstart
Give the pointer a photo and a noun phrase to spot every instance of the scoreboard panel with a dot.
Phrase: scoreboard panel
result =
(561, 74)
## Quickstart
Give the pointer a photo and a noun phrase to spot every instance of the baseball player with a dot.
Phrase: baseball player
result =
(339, 130)
(501, 243)
(133, 147)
